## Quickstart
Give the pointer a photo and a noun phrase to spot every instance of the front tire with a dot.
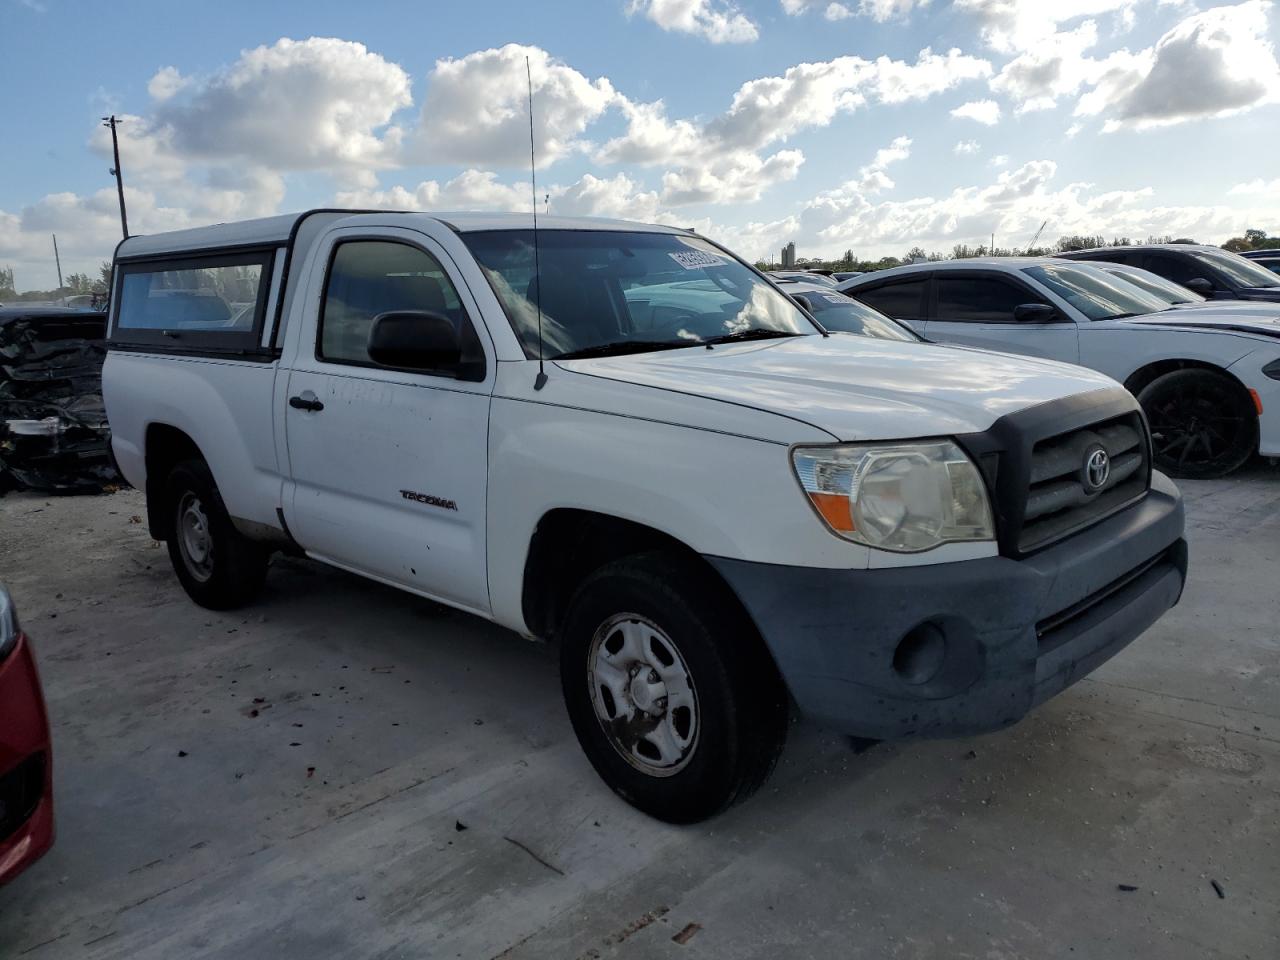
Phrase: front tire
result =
(218, 567)
(671, 692)
(1203, 423)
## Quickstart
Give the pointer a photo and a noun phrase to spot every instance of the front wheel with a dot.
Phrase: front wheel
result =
(1203, 423)
(218, 567)
(670, 691)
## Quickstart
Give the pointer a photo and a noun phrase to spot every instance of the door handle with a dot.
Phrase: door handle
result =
(306, 403)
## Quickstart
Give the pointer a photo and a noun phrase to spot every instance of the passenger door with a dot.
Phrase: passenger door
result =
(389, 466)
(977, 309)
(902, 299)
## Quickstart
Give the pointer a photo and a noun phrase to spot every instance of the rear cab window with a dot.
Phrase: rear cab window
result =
(214, 303)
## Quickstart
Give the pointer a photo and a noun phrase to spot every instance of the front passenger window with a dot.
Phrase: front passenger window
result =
(372, 277)
(980, 299)
(1178, 269)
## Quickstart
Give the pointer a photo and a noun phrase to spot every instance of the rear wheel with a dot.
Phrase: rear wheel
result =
(670, 690)
(1203, 423)
(217, 566)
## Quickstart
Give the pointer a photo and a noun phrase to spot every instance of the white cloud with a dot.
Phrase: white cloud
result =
(899, 149)
(590, 196)
(1015, 26)
(983, 111)
(298, 104)
(739, 177)
(166, 82)
(1258, 187)
(1012, 207)
(1213, 64)
(651, 137)
(471, 189)
(878, 10)
(719, 21)
(476, 107)
(812, 94)
(1000, 160)
(966, 148)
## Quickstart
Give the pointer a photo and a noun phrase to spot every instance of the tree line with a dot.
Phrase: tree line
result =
(73, 285)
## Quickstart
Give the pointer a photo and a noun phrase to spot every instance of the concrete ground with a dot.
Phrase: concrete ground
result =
(345, 771)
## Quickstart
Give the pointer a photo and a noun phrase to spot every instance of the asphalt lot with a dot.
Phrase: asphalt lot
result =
(345, 771)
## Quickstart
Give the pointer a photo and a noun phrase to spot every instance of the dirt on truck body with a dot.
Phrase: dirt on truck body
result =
(53, 427)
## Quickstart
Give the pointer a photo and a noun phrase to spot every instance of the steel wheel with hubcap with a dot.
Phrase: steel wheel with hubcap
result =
(672, 693)
(643, 694)
(217, 566)
(194, 539)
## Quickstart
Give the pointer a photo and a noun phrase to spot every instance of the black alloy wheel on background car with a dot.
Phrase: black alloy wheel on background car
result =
(1203, 423)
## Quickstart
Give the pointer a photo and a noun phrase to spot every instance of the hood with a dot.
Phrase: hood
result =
(1259, 308)
(1258, 319)
(857, 388)
(1269, 294)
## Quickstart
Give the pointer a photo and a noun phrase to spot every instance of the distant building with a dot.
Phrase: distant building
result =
(789, 256)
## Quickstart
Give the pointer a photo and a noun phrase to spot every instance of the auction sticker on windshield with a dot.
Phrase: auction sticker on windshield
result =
(696, 259)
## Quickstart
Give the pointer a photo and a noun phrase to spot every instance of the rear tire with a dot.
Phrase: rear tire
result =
(1203, 423)
(670, 690)
(218, 567)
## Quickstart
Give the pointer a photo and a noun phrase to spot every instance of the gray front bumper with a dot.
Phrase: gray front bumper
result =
(1016, 631)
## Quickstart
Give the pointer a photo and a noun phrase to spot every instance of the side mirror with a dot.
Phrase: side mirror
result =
(414, 340)
(1034, 313)
(1199, 285)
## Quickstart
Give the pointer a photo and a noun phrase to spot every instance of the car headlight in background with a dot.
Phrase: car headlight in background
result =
(1272, 369)
(8, 624)
(904, 497)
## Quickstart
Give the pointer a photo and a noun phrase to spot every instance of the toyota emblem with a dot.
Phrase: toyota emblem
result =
(1097, 469)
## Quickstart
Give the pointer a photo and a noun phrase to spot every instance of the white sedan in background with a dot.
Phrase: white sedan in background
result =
(1208, 376)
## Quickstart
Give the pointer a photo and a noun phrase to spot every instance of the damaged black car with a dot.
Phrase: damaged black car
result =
(53, 428)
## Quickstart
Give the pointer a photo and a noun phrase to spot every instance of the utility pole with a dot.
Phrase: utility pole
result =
(57, 260)
(115, 171)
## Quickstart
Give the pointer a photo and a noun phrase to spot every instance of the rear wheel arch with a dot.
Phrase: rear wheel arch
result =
(166, 446)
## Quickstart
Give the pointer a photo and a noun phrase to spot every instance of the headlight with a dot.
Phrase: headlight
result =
(904, 497)
(8, 625)
(1272, 369)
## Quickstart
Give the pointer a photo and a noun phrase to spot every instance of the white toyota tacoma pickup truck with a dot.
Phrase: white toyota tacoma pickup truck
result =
(721, 513)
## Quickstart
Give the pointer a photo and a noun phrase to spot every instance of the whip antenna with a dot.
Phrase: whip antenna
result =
(541, 380)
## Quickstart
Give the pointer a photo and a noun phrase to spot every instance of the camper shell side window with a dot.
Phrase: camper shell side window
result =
(214, 303)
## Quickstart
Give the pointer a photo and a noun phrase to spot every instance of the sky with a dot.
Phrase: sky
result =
(871, 125)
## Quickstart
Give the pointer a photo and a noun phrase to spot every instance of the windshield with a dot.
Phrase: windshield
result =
(1097, 294)
(1156, 285)
(1241, 271)
(609, 291)
(841, 314)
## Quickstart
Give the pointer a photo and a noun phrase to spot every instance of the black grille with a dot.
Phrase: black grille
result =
(1033, 462)
(20, 792)
(1060, 496)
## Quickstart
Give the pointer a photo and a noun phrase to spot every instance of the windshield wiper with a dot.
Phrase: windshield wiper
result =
(759, 334)
(620, 347)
